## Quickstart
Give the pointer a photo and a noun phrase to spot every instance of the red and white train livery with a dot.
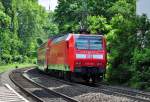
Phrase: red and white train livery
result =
(82, 55)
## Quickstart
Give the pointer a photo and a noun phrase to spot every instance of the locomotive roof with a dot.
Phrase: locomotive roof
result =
(87, 34)
(60, 35)
(64, 37)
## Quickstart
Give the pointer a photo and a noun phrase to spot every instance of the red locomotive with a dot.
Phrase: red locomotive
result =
(74, 54)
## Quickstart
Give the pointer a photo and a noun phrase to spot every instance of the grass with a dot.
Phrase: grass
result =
(4, 68)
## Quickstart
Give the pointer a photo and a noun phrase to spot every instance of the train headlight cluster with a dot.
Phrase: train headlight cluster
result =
(78, 63)
(99, 64)
(97, 56)
(82, 56)
(89, 56)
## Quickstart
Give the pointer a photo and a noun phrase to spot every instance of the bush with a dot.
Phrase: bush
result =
(141, 66)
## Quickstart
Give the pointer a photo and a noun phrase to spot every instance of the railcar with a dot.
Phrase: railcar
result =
(80, 55)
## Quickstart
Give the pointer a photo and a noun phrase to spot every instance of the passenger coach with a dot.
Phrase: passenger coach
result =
(79, 55)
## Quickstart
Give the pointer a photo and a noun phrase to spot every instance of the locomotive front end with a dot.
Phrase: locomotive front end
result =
(90, 57)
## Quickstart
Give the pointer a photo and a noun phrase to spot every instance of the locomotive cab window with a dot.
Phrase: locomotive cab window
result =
(82, 44)
(88, 43)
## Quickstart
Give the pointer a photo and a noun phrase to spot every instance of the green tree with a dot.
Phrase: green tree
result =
(141, 59)
(24, 24)
(121, 41)
(4, 37)
(72, 15)
(98, 24)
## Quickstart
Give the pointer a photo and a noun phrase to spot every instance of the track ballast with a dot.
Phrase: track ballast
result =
(54, 89)
(36, 91)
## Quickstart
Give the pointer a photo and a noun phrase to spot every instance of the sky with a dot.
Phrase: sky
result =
(143, 6)
(47, 3)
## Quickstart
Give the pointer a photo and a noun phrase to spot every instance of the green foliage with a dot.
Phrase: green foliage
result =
(4, 20)
(4, 37)
(97, 24)
(128, 42)
(22, 24)
(4, 68)
(123, 7)
(1, 6)
(71, 15)
(141, 59)
(121, 42)
(141, 65)
(68, 15)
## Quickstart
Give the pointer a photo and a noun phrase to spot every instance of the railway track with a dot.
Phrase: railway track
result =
(77, 90)
(37, 91)
(136, 95)
(109, 90)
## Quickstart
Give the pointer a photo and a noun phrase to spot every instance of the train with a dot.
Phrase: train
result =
(74, 55)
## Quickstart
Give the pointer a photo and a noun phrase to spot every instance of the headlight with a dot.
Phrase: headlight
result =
(80, 55)
(97, 56)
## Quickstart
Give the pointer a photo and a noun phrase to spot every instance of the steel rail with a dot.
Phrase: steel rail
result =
(108, 90)
(105, 90)
(52, 91)
(11, 74)
(128, 93)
